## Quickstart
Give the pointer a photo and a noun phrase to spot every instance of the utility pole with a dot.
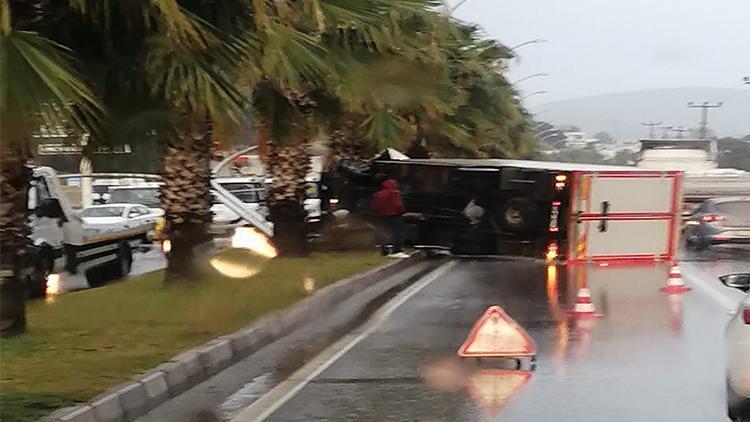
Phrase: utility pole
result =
(651, 128)
(665, 133)
(679, 131)
(705, 106)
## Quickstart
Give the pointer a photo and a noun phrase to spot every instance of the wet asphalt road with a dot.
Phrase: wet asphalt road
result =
(650, 357)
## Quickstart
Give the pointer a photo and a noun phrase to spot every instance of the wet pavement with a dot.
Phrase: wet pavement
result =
(650, 356)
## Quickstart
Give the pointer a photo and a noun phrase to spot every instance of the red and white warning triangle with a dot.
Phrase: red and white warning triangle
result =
(495, 334)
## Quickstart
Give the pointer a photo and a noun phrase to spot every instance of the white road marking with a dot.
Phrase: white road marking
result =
(264, 407)
(704, 282)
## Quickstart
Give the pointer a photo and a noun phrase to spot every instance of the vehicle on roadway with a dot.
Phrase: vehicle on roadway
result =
(738, 352)
(251, 195)
(582, 212)
(64, 241)
(130, 215)
(146, 194)
(719, 221)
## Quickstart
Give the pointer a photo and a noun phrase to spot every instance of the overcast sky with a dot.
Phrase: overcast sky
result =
(602, 46)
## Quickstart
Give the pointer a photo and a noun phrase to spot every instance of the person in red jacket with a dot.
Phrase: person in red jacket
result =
(388, 206)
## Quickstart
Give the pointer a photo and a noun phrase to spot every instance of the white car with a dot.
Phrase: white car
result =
(146, 194)
(738, 352)
(252, 193)
(224, 215)
(129, 216)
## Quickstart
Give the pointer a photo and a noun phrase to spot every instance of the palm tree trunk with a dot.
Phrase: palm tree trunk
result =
(186, 198)
(288, 165)
(14, 241)
(346, 141)
(261, 141)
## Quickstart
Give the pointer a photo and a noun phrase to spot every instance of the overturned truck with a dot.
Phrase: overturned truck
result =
(510, 207)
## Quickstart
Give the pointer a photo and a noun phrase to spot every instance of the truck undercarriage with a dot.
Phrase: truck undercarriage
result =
(472, 208)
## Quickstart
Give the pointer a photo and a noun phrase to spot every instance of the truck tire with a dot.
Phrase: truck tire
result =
(120, 267)
(114, 270)
(517, 215)
(124, 260)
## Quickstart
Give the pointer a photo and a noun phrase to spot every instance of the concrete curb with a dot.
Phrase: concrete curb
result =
(135, 398)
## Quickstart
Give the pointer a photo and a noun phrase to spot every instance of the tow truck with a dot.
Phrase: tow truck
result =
(575, 212)
(63, 242)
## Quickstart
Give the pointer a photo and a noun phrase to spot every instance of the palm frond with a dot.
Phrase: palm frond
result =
(39, 84)
(181, 25)
(286, 55)
(189, 79)
(384, 129)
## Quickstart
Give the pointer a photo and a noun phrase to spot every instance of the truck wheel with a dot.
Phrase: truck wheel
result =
(114, 270)
(517, 215)
(124, 259)
(96, 276)
(121, 266)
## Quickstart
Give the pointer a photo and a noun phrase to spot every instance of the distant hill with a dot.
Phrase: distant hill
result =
(620, 114)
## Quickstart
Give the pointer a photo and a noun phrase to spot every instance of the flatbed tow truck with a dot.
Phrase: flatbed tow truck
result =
(62, 242)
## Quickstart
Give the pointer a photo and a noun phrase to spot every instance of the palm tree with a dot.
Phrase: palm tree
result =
(38, 86)
(493, 121)
(289, 62)
(169, 67)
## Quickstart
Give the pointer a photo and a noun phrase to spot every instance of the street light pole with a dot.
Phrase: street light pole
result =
(534, 41)
(448, 9)
(515, 48)
(536, 75)
(533, 93)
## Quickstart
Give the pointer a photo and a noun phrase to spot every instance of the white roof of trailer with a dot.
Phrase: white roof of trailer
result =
(537, 165)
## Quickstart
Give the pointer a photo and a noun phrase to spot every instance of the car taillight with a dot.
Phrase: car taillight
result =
(712, 218)
(746, 314)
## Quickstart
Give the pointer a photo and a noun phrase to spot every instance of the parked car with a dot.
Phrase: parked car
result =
(738, 352)
(223, 216)
(146, 195)
(128, 215)
(719, 221)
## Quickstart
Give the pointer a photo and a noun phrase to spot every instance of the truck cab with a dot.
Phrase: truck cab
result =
(63, 242)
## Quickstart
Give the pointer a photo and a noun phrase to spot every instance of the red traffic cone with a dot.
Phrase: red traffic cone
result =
(675, 283)
(584, 306)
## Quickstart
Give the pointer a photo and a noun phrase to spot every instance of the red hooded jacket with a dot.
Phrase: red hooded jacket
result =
(387, 201)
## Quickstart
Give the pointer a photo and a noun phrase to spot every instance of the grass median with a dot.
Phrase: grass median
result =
(80, 344)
